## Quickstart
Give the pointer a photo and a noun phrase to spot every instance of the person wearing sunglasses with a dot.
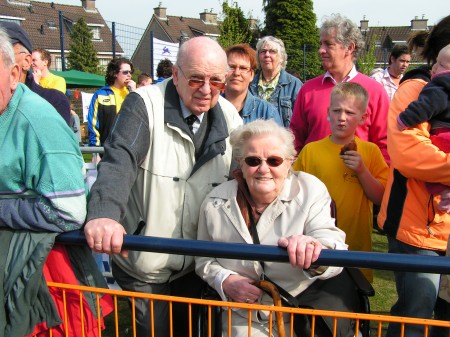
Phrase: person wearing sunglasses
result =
(169, 147)
(272, 82)
(107, 101)
(242, 65)
(268, 203)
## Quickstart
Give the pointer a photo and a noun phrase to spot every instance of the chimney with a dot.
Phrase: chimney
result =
(209, 17)
(364, 24)
(88, 5)
(419, 24)
(160, 12)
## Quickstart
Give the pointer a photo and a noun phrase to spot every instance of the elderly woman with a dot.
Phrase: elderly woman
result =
(242, 65)
(272, 83)
(268, 203)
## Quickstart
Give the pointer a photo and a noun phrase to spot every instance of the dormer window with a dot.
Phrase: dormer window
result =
(95, 33)
(51, 24)
(95, 29)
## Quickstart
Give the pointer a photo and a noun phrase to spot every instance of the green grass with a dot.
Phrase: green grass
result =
(384, 284)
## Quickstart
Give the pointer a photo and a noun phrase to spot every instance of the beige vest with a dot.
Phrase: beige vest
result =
(164, 195)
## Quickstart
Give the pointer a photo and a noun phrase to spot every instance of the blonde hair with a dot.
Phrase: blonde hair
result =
(350, 89)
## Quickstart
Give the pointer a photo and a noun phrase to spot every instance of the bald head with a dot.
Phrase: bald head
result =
(199, 73)
(204, 47)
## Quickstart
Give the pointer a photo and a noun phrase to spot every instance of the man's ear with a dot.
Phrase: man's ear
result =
(27, 63)
(175, 75)
(350, 49)
(14, 76)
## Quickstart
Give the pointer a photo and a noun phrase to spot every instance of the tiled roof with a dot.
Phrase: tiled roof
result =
(386, 38)
(37, 19)
(176, 26)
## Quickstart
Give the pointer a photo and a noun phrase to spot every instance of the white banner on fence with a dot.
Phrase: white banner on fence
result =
(86, 101)
(163, 50)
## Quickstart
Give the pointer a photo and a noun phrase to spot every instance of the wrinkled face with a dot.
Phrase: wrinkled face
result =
(9, 77)
(200, 82)
(400, 64)
(269, 57)
(240, 74)
(123, 76)
(345, 115)
(37, 62)
(265, 181)
(332, 53)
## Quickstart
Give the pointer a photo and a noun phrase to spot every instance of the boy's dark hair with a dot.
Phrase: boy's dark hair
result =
(398, 50)
(113, 69)
(164, 69)
(142, 77)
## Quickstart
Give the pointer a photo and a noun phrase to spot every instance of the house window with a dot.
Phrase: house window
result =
(95, 33)
(51, 24)
(103, 63)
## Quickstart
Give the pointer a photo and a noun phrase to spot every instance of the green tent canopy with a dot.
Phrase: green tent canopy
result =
(80, 79)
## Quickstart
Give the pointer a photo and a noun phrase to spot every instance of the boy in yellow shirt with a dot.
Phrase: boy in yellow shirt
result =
(355, 178)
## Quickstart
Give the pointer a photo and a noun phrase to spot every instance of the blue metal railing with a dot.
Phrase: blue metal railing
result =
(328, 257)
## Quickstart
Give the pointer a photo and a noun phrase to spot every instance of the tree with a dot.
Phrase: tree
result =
(294, 22)
(82, 55)
(366, 60)
(234, 27)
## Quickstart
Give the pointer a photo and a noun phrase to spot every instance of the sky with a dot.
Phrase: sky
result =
(379, 13)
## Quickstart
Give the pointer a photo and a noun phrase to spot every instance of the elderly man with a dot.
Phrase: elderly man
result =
(42, 194)
(399, 61)
(168, 148)
(41, 61)
(340, 42)
(22, 50)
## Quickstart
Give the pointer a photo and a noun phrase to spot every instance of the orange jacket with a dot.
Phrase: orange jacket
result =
(408, 211)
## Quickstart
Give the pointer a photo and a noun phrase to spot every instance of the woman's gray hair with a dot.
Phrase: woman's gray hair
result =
(346, 31)
(6, 49)
(272, 42)
(240, 136)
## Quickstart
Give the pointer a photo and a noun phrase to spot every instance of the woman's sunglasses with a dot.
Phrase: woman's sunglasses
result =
(272, 161)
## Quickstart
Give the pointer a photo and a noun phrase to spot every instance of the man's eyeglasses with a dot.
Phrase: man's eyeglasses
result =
(126, 72)
(270, 51)
(194, 82)
(272, 161)
(242, 70)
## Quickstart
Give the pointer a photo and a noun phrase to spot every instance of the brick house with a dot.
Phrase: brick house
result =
(41, 21)
(387, 37)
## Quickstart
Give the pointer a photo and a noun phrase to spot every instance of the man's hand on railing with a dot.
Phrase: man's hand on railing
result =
(104, 235)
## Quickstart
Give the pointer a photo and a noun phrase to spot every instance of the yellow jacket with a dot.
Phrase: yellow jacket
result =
(408, 211)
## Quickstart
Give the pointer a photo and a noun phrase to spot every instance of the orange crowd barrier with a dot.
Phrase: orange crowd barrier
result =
(123, 317)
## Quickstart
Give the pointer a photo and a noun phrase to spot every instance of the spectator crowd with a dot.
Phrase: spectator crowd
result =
(225, 145)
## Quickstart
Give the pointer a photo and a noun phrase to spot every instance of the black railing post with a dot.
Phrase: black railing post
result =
(61, 39)
(113, 40)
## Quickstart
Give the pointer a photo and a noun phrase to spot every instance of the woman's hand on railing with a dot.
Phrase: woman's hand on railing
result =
(303, 250)
(104, 235)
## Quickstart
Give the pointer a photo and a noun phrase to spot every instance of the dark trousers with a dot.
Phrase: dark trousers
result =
(338, 294)
(188, 285)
